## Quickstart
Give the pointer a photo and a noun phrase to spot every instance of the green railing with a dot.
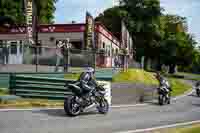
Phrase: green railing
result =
(38, 87)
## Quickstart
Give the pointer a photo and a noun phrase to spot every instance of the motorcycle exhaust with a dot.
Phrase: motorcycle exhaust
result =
(89, 107)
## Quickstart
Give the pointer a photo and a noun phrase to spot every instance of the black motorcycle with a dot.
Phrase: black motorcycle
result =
(164, 95)
(78, 102)
(197, 88)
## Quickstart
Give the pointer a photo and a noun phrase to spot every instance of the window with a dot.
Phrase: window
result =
(117, 51)
(13, 48)
(21, 47)
(104, 45)
(113, 51)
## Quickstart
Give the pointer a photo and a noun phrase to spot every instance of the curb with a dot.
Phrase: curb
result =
(160, 127)
(40, 109)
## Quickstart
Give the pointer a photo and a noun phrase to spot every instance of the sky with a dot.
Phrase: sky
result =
(74, 10)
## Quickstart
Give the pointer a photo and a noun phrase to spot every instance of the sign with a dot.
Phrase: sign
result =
(18, 30)
(29, 20)
(89, 32)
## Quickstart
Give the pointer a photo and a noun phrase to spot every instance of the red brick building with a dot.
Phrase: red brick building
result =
(50, 34)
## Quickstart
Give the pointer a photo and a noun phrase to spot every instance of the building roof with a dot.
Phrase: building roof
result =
(61, 28)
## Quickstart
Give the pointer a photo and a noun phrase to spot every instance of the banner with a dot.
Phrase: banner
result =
(29, 20)
(89, 32)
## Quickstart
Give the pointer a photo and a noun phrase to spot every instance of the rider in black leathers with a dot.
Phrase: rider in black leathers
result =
(163, 81)
(87, 81)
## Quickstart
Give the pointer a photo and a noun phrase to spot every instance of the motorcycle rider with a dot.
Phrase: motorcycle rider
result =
(87, 81)
(163, 81)
(197, 84)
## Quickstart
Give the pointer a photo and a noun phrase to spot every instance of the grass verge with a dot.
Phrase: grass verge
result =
(136, 75)
(3, 91)
(73, 76)
(30, 103)
(187, 129)
(140, 76)
(179, 86)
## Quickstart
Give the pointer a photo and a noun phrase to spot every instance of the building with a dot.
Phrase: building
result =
(15, 38)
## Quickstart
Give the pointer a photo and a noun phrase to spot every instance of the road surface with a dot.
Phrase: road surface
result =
(117, 120)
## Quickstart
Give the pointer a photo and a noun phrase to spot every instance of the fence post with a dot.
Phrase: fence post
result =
(66, 59)
(12, 83)
(36, 55)
(94, 59)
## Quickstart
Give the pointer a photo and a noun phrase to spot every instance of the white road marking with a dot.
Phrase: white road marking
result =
(126, 106)
(160, 127)
(38, 109)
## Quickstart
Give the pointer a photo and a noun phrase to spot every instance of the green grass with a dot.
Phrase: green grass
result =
(186, 129)
(178, 86)
(29, 103)
(135, 76)
(3, 91)
(73, 76)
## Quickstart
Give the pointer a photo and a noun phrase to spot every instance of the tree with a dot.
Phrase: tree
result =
(14, 9)
(141, 18)
(177, 45)
(111, 18)
(157, 36)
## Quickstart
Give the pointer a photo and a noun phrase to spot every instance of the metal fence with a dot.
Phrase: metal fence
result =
(24, 58)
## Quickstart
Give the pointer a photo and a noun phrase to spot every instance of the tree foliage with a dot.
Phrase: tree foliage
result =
(14, 9)
(159, 36)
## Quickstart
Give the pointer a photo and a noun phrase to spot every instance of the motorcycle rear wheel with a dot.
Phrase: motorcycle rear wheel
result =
(71, 107)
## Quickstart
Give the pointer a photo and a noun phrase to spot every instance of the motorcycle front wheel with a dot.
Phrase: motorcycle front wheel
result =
(161, 99)
(71, 107)
(198, 92)
(103, 107)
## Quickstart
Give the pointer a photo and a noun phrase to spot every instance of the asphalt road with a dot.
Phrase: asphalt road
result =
(118, 119)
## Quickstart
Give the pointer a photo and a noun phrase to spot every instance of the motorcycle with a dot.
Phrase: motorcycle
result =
(164, 95)
(77, 102)
(197, 88)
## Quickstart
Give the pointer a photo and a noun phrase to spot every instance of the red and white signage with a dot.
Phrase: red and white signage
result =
(29, 19)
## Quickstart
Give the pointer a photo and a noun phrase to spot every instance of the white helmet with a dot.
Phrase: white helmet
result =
(90, 70)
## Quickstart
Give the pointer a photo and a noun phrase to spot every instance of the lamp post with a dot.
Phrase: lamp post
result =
(35, 32)
(30, 10)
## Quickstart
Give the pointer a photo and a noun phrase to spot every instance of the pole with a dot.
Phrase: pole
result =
(66, 58)
(35, 32)
(94, 56)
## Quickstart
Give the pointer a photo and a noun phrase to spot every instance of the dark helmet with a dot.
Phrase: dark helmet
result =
(158, 75)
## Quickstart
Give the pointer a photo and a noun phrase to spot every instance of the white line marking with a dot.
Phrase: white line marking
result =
(126, 106)
(38, 109)
(33, 109)
(160, 127)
